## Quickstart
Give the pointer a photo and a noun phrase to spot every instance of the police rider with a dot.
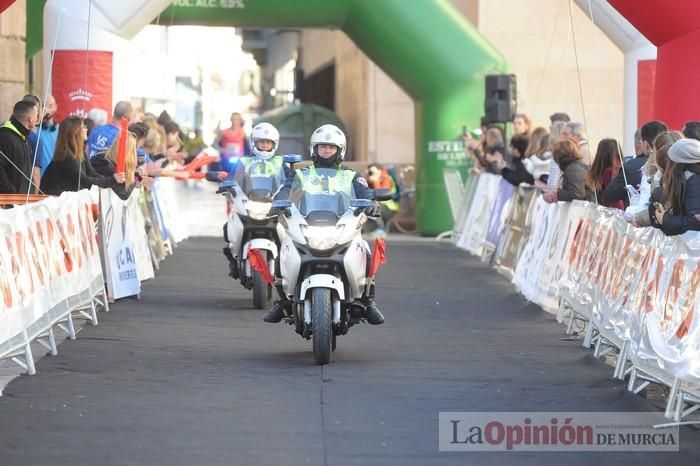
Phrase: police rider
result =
(327, 149)
(264, 140)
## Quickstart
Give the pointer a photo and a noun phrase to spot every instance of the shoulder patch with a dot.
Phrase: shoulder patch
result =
(362, 181)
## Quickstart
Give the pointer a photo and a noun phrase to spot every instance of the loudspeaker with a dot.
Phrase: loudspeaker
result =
(501, 102)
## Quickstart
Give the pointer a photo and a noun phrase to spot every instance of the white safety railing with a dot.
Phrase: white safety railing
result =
(635, 290)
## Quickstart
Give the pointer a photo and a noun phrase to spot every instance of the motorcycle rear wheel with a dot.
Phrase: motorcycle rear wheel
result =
(321, 324)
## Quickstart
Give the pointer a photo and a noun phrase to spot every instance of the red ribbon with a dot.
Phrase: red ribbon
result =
(259, 264)
(121, 148)
(378, 257)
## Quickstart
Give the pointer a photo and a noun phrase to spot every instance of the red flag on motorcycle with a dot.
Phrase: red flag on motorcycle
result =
(378, 256)
(259, 264)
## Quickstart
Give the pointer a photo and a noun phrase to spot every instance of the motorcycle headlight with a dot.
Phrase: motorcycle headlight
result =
(322, 238)
(258, 210)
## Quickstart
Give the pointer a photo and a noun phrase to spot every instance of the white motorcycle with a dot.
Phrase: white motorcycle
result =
(250, 228)
(324, 263)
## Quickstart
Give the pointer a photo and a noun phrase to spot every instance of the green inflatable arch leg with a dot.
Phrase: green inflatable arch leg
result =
(426, 46)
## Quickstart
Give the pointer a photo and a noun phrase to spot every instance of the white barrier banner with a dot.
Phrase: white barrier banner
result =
(144, 264)
(500, 210)
(165, 189)
(48, 255)
(476, 224)
(117, 234)
(535, 252)
(637, 284)
(469, 190)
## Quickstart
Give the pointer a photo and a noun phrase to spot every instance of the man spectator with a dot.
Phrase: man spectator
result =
(559, 116)
(632, 170)
(102, 137)
(95, 117)
(15, 151)
(33, 139)
(575, 131)
(691, 130)
(47, 135)
(637, 146)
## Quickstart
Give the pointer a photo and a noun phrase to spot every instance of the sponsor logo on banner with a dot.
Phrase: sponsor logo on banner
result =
(499, 212)
(209, 3)
(476, 224)
(120, 259)
(542, 432)
(48, 253)
(451, 153)
(74, 95)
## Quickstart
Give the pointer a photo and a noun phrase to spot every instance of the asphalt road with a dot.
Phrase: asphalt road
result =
(191, 375)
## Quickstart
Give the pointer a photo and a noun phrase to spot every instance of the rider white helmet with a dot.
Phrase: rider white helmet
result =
(264, 131)
(328, 134)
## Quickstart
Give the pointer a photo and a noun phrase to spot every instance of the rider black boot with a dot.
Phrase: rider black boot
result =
(232, 265)
(372, 313)
(276, 314)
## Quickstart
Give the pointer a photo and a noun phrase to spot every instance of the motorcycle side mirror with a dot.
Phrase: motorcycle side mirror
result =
(282, 205)
(383, 194)
(361, 203)
(226, 187)
(291, 158)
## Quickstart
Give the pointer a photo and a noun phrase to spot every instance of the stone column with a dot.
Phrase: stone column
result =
(12, 63)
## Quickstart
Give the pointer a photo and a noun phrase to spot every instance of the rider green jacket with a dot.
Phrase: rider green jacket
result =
(345, 180)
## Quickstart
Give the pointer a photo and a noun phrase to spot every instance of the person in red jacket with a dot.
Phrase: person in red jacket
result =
(232, 143)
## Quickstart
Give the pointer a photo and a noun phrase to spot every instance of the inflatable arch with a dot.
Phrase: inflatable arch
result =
(427, 47)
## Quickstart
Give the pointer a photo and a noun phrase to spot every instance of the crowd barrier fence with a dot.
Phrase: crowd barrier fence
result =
(635, 290)
(62, 259)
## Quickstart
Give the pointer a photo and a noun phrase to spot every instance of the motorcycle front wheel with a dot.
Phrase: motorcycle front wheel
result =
(321, 324)
(261, 291)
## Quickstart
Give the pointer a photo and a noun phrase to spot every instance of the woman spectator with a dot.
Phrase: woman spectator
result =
(680, 210)
(573, 173)
(606, 166)
(555, 134)
(652, 174)
(105, 163)
(151, 146)
(536, 137)
(521, 124)
(518, 174)
(70, 170)
(493, 150)
(538, 164)
(535, 140)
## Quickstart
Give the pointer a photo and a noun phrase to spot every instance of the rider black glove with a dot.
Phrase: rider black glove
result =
(373, 211)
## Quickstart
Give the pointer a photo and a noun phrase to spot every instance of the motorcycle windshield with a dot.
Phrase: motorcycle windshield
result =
(320, 198)
(259, 187)
(322, 209)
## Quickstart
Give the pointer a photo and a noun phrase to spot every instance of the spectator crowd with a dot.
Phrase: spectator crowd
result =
(39, 155)
(659, 185)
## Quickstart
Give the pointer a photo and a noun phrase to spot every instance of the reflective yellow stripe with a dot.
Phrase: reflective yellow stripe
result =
(314, 183)
(270, 167)
(8, 124)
